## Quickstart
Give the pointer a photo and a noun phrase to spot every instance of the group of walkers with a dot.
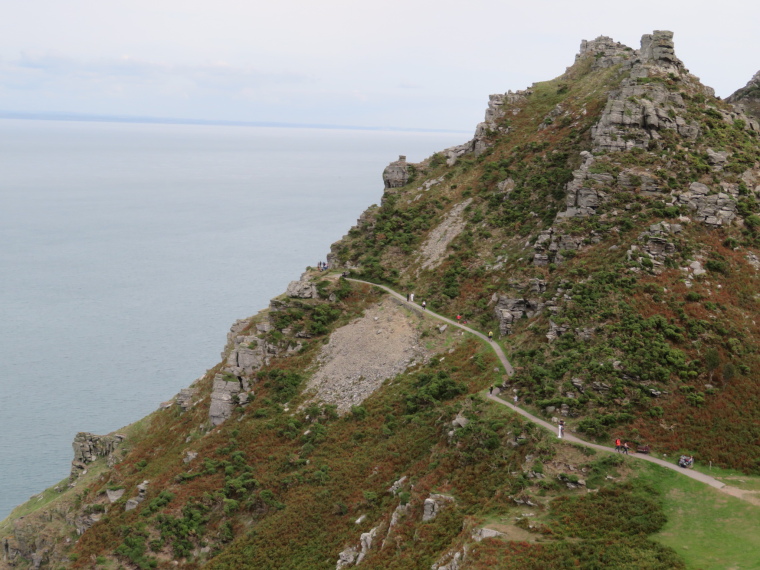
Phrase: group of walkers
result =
(621, 446)
(322, 266)
(410, 299)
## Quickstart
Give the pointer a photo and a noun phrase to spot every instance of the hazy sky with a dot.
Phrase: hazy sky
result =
(412, 63)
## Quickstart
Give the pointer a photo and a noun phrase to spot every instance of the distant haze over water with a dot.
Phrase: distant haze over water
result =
(129, 249)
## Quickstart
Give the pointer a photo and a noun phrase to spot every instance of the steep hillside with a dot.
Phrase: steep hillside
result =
(604, 225)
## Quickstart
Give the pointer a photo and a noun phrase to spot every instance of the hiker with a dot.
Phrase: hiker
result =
(411, 297)
(424, 305)
(407, 297)
(490, 390)
(459, 319)
(490, 335)
(561, 429)
(618, 445)
(515, 399)
(626, 447)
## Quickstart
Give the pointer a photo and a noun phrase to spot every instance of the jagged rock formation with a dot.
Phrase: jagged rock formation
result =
(396, 174)
(491, 126)
(88, 447)
(643, 106)
(582, 197)
(747, 99)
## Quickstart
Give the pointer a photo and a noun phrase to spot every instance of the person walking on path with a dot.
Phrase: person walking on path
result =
(411, 297)
(625, 448)
(490, 335)
(490, 390)
(515, 399)
(424, 305)
(561, 429)
(618, 445)
(407, 297)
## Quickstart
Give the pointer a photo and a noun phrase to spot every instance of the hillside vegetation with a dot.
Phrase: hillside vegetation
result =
(605, 226)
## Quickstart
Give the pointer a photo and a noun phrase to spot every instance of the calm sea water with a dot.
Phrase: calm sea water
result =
(126, 251)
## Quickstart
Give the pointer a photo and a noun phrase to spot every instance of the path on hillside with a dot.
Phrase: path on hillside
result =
(733, 491)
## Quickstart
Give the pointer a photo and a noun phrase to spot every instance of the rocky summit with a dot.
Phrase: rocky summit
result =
(445, 396)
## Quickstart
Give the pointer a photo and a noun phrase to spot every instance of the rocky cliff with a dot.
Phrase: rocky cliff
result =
(605, 224)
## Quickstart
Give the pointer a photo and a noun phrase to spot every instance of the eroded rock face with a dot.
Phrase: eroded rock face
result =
(584, 195)
(509, 309)
(499, 105)
(88, 447)
(360, 356)
(433, 251)
(747, 100)
(708, 207)
(606, 52)
(228, 392)
(303, 289)
(644, 105)
(433, 506)
(396, 174)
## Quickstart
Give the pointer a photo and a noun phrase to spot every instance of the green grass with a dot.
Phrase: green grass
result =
(709, 529)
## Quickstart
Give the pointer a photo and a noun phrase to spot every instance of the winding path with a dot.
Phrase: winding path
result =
(734, 491)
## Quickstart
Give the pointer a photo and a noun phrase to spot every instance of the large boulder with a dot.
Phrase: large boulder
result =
(396, 174)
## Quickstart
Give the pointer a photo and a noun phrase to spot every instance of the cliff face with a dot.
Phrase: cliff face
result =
(604, 224)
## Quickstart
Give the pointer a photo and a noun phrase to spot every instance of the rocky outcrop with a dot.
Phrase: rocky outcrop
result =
(584, 193)
(88, 447)
(655, 245)
(433, 506)
(714, 209)
(643, 105)
(396, 174)
(605, 51)
(550, 245)
(747, 99)
(228, 392)
(353, 555)
(142, 490)
(508, 310)
(499, 105)
(399, 512)
(302, 289)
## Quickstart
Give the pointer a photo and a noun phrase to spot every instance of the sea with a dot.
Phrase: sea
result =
(127, 251)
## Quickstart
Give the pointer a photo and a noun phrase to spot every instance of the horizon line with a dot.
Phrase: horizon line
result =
(94, 118)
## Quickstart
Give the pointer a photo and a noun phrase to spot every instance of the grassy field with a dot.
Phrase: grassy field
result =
(708, 528)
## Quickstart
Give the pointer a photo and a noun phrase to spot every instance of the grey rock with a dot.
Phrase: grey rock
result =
(302, 290)
(88, 447)
(396, 174)
(189, 456)
(185, 398)
(460, 421)
(480, 533)
(717, 159)
(131, 504)
(223, 396)
(347, 558)
(433, 505)
(114, 496)
(510, 309)
(396, 487)
(555, 330)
